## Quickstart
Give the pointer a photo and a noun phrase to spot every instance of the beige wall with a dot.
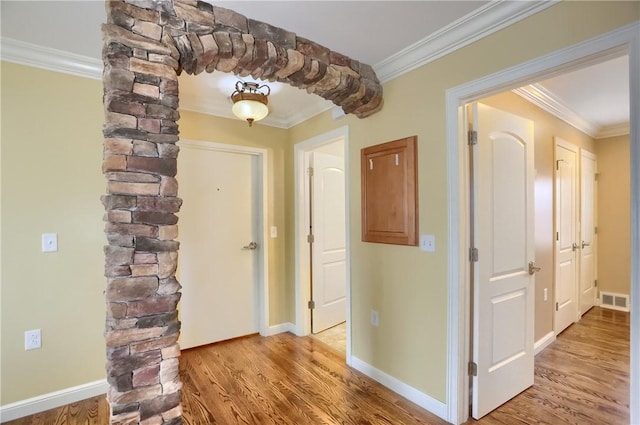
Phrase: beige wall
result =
(409, 287)
(51, 183)
(614, 218)
(546, 127)
(57, 118)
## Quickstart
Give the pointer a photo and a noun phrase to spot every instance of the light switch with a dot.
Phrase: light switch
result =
(428, 243)
(49, 242)
(274, 232)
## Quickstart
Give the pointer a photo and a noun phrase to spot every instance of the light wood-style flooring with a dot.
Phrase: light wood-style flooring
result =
(583, 378)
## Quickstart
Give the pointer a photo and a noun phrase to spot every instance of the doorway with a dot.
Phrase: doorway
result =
(598, 49)
(323, 260)
(222, 248)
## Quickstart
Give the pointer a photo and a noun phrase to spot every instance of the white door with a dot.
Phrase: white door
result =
(503, 289)
(588, 290)
(328, 251)
(217, 265)
(566, 280)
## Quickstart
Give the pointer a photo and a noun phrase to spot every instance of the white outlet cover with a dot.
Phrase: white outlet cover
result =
(32, 339)
(274, 232)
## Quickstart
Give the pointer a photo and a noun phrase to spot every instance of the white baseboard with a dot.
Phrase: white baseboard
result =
(281, 328)
(434, 406)
(52, 400)
(543, 343)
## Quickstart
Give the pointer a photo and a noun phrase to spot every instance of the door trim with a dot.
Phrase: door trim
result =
(263, 259)
(302, 265)
(624, 40)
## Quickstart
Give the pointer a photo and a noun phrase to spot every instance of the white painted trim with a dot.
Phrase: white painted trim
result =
(547, 101)
(302, 293)
(624, 39)
(412, 394)
(29, 54)
(613, 131)
(34, 405)
(280, 329)
(263, 262)
(478, 24)
(543, 343)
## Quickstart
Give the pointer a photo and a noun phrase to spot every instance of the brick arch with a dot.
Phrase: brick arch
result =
(146, 44)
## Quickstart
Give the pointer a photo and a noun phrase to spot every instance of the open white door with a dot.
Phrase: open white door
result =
(218, 264)
(329, 272)
(566, 281)
(588, 290)
(503, 289)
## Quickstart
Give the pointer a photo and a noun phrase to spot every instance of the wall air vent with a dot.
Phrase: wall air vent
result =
(614, 301)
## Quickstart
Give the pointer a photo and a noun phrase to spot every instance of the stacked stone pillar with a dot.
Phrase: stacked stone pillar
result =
(146, 44)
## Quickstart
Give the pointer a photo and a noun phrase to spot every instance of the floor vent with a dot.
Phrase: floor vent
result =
(614, 301)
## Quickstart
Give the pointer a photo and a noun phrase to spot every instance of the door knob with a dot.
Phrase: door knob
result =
(574, 246)
(585, 244)
(533, 268)
(251, 246)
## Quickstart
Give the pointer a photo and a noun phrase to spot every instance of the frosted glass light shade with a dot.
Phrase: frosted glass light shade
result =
(250, 110)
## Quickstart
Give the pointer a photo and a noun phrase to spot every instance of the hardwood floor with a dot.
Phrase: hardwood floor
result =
(583, 378)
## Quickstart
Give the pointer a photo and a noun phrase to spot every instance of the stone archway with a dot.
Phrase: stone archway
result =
(146, 45)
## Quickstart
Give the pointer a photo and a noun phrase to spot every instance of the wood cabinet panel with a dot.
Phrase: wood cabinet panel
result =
(390, 192)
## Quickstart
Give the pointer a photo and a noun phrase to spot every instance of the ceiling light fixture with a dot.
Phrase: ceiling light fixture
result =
(250, 101)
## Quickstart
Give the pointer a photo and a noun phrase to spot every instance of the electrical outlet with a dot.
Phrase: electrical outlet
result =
(546, 295)
(32, 339)
(374, 318)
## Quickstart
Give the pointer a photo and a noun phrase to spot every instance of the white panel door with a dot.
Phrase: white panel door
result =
(588, 290)
(218, 219)
(328, 218)
(503, 311)
(566, 283)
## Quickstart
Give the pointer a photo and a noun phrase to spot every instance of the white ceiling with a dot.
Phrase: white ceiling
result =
(392, 36)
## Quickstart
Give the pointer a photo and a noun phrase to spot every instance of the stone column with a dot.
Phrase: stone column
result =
(142, 327)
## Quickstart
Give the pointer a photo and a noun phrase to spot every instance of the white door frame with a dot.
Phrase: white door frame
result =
(623, 40)
(302, 265)
(263, 257)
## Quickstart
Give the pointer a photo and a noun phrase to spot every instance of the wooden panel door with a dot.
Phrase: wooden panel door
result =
(503, 295)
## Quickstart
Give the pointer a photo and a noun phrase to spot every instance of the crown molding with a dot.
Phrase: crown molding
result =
(547, 101)
(29, 54)
(613, 131)
(486, 20)
(478, 24)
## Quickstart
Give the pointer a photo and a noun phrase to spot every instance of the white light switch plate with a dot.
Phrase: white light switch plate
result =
(428, 243)
(49, 242)
(274, 232)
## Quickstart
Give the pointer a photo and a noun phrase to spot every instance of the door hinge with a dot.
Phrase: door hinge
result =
(311, 305)
(596, 176)
(595, 230)
(472, 137)
(473, 254)
(310, 171)
(556, 306)
(473, 369)
(557, 236)
(595, 283)
(310, 238)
